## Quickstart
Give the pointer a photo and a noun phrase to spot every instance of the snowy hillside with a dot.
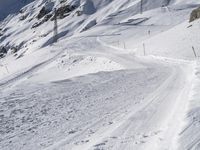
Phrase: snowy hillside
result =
(123, 75)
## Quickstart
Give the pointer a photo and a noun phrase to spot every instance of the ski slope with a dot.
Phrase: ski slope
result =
(115, 80)
(107, 109)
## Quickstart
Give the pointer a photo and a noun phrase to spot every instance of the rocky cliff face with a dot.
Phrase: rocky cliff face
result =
(195, 14)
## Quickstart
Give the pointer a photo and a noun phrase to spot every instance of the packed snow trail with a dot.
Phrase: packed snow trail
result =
(155, 123)
(189, 136)
(84, 105)
(96, 90)
(134, 108)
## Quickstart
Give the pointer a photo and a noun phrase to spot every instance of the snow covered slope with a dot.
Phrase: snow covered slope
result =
(118, 78)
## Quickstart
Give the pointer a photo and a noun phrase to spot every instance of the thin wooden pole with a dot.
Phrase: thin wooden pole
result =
(195, 54)
(124, 45)
(144, 49)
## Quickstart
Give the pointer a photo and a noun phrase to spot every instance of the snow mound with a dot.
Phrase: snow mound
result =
(69, 66)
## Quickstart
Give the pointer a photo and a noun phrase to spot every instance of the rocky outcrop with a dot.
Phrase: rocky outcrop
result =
(10, 49)
(45, 19)
(64, 11)
(45, 10)
(195, 14)
(46, 13)
(1, 32)
(3, 51)
(42, 13)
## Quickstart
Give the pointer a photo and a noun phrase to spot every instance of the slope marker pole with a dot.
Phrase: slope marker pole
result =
(124, 45)
(144, 49)
(195, 54)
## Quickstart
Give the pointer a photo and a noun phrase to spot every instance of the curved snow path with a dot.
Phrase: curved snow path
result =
(65, 113)
(156, 124)
(140, 108)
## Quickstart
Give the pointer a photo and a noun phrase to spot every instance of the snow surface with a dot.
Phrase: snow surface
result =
(115, 80)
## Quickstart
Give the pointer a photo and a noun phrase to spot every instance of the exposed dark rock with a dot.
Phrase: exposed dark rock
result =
(23, 17)
(62, 1)
(195, 14)
(79, 13)
(45, 10)
(37, 24)
(1, 32)
(3, 51)
(1, 55)
(61, 13)
(42, 13)
(64, 10)
(45, 19)
(21, 11)
(10, 49)
(14, 49)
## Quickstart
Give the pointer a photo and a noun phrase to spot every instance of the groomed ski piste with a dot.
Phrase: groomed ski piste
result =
(117, 79)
